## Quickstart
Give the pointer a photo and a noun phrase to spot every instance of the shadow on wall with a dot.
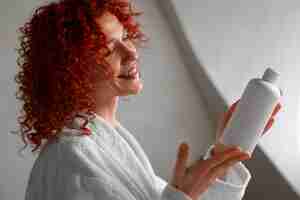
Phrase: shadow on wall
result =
(265, 182)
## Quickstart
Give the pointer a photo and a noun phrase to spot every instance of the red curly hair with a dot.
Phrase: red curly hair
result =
(61, 57)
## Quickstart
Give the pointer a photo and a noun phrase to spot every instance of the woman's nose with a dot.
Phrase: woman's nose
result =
(129, 51)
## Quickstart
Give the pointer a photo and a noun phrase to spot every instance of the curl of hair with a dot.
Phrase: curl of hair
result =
(60, 58)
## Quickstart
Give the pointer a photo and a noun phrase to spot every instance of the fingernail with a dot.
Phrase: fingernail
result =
(184, 146)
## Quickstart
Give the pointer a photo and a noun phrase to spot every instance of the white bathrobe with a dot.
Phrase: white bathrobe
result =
(110, 164)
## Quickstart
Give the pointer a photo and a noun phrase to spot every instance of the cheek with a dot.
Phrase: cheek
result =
(115, 62)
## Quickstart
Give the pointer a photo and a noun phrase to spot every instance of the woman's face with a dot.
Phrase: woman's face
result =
(123, 59)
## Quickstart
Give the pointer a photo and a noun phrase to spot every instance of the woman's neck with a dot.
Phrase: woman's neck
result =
(107, 110)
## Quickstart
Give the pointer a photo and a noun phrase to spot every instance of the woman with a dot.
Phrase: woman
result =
(77, 57)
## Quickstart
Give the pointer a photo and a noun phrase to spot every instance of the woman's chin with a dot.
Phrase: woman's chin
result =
(137, 88)
(132, 87)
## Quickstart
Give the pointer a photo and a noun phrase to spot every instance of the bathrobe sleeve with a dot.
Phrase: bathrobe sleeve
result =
(169, 192)
(230, 187)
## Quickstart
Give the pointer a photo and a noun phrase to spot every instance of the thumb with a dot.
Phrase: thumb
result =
(225, 117)
(180, 165)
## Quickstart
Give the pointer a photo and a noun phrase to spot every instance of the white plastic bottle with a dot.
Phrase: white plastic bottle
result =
(252, 112)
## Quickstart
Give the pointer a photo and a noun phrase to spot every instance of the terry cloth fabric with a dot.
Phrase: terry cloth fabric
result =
(110, 164)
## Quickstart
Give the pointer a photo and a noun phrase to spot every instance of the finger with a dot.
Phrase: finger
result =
(219, 158)
(193, 165)
(235, 103)
(268, 126)
(228, 114)
(276, 109)
(271, 120)
(217, 172)
(224, 119)
(221, 169)
(180, 165)
(220, 126)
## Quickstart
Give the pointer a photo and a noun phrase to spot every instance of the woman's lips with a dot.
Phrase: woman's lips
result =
(132, 72)
(133, 67)
(132, 75)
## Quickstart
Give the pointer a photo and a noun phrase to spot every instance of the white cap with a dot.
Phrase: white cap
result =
(270, 75)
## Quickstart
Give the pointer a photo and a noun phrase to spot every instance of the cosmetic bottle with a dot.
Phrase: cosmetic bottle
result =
(252, 112)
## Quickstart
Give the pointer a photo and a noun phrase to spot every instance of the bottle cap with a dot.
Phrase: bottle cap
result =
(270, 75)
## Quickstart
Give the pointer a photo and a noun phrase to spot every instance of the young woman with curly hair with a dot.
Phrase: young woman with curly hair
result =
(77, 57)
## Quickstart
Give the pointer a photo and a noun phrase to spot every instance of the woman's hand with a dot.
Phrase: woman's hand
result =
(226, 117)
(197, 178)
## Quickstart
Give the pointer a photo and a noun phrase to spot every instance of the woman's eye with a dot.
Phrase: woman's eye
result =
(124, 35)
(111, 45)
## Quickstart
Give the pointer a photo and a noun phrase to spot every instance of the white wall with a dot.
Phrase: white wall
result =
(168, 111)
(233, 41)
